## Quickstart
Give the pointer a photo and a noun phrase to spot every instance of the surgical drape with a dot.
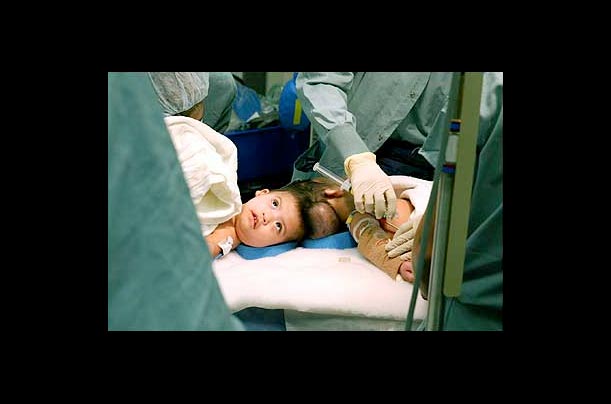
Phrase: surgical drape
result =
(159, 266)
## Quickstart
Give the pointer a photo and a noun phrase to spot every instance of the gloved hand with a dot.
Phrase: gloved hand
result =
(403, 241)
(371, 187)
(417, 191)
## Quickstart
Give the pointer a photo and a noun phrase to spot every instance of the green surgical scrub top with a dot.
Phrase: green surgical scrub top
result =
(159, 267)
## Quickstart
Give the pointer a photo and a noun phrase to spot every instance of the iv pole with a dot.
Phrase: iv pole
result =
(454, 200)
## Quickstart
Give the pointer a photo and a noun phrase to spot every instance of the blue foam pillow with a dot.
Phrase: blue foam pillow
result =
(252, 253)
(338, 240)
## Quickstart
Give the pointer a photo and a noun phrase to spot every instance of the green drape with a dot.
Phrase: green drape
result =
(159, 268)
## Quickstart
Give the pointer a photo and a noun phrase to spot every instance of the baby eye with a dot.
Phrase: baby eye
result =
(278, 226)
(275, 203)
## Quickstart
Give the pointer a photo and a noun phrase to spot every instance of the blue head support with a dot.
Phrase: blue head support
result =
(341, 240)
(252, 253)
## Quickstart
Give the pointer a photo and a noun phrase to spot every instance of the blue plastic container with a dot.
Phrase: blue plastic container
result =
(290, 112)
(246, 102)
(268, 152)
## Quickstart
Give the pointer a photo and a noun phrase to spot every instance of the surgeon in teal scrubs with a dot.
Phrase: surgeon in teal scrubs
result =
(159, 268)
(219, 103)
(205, 96)
(480, 304)
(372, 124)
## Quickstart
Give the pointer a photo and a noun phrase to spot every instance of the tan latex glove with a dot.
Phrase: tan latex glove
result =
(359, 222)
(418, 192)
(371, 187)
(403, 241)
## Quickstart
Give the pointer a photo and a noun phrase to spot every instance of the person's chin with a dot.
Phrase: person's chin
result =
(240, 232)
(252, 241)
(245, 234)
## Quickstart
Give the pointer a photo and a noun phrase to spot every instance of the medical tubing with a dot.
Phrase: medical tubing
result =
(418, 264)
(442, 226)
(438, 258)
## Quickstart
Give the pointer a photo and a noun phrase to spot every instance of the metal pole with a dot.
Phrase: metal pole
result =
(442, 226)
(427, 226)
(443, 209)
(463, 183)
(440, 237)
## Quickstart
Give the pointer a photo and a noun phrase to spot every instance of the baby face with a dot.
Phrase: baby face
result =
(269, 218)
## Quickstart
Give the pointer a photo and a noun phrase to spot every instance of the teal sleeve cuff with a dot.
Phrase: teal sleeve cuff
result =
(345, 141)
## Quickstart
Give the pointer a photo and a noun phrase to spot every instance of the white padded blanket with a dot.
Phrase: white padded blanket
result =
(324, 281)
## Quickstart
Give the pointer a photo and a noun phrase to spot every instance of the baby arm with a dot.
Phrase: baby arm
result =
(219, 235)
(372, 238)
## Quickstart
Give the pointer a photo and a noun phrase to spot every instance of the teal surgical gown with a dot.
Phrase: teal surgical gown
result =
(480, 304)
(219, 102)
(159, 268)
(357, 112)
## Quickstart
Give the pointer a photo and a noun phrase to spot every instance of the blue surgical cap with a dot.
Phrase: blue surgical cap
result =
(179, 91)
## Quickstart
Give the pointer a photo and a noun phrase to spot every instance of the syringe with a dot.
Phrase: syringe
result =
(343, 184)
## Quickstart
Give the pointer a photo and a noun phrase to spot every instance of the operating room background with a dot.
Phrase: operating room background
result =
(268, 149)
(261, 82)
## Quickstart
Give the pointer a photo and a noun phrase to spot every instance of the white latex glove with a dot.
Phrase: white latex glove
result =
(371, 187)
(402, 241)
(417, 191)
